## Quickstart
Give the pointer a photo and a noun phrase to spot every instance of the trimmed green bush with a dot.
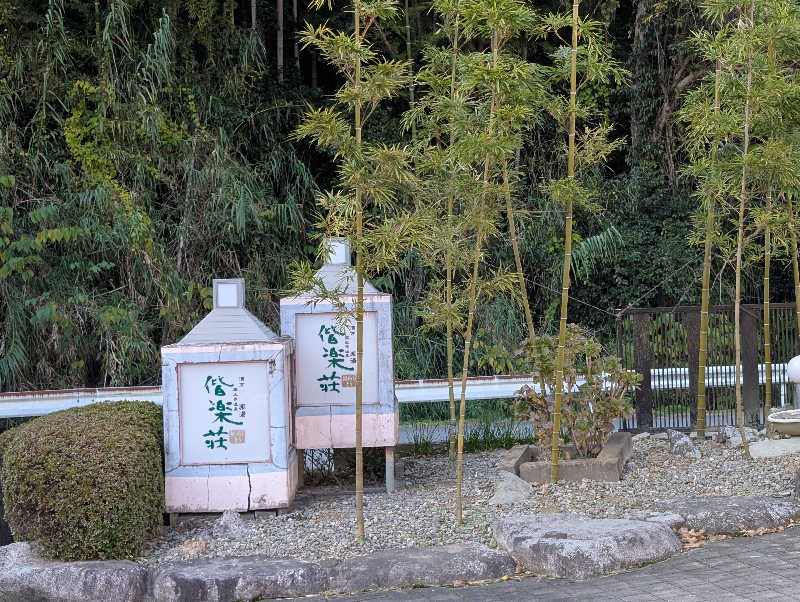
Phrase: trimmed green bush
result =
(87, 483)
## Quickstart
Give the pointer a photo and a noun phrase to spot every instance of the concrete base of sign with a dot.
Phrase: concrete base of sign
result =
(234, 487)
(338, 430)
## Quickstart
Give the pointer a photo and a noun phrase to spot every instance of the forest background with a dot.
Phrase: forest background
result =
(146, 149)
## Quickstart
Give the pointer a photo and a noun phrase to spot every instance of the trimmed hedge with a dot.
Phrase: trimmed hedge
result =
(87, 483)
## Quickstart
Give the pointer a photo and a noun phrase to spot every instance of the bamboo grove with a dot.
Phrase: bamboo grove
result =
(503, 169)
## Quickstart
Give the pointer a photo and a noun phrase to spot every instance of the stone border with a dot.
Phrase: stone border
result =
(523, 460)
(24, 576)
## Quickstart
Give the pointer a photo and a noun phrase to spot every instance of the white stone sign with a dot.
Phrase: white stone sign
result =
(224, 412)
(326, 359)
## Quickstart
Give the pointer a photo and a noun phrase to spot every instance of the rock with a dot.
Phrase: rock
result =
(731, 515)
(660, 436)
(229, 579)
(26, 577)
(774, 448)
(510, 489)
(437, 565)
(732, 436)
(673, 521)
(230, 523)
(514, 457)
(565, 545)
(681, 445)
(641, 436)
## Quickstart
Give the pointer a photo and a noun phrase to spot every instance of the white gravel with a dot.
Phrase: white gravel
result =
(423, 514)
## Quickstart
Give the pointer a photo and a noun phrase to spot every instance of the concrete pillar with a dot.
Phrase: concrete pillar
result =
(390, 483)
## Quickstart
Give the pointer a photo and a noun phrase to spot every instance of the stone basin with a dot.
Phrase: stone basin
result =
(786, 422)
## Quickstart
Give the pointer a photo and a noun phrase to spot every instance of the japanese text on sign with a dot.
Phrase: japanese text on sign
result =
(224, 412)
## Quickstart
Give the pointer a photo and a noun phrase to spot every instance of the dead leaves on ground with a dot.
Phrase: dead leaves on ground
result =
(695, 538)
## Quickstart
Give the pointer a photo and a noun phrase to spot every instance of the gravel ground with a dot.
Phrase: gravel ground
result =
(422, 514)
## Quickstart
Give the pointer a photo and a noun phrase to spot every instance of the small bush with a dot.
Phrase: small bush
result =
(87, 483)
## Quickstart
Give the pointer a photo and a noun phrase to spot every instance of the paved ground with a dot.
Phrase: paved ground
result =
(753, 568)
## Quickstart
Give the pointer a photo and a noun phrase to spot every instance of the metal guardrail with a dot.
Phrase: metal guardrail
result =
(38, 403)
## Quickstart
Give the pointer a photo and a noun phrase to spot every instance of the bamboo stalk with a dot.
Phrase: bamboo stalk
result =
(462, 410)
(512, 230)
(767, 343)
(449, 260)
(700, 427)
(740, 239)
(473, 301)
(359, 303)
(562, 327)
(279, 38)
(795, 267)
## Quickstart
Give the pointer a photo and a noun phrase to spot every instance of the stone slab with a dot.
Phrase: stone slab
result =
(775, 448)
(571, 470)
(564, 545)
(517, 455)
(607, 466)
(229, 579)
(510, 489)
(731, 515)
(26, 577)
(437, 565)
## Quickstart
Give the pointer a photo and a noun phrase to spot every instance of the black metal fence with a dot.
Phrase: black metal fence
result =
(662, 344)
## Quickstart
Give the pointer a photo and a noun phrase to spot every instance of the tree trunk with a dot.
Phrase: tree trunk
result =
(740, 239)
(562, 327)
(279, 39)
(410, 59)
(704, 298)
(253, 14)
(359, 307)
(296, 43)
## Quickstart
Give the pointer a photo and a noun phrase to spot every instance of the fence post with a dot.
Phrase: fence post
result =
(692, 322)
(750, 384)
(642, 360)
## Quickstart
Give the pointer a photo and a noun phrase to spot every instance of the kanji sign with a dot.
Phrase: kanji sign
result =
(224, 412)
(326, 359)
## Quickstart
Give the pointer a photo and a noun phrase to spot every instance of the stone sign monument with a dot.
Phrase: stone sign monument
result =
(228, 436)
(326, 362)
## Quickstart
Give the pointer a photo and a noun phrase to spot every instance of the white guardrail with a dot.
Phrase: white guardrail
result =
(37, 403)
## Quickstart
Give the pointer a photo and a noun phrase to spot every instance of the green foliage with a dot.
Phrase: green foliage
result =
(149, 154)
(596, 391)
(88, 482)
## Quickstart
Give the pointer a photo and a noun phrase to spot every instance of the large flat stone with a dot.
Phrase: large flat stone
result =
(730, 515)
(229, 579)
(772, 448)
(565, 545)
(438, 565)
(26, 577)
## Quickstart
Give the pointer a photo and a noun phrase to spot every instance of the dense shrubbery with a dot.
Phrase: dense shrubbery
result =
(86, 482)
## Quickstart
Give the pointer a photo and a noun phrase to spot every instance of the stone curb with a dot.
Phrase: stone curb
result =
(25, 577)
